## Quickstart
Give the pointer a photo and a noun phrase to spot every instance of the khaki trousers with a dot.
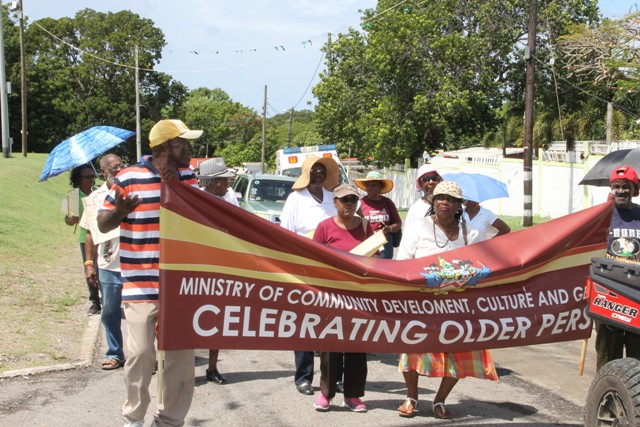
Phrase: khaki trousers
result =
(140, 351)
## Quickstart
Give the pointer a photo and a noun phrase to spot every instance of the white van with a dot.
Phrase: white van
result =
(289, 160)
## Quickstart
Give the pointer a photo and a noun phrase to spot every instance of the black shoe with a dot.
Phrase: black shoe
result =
(215, 376)
(305, 388)
(339, 387)
(94, 309)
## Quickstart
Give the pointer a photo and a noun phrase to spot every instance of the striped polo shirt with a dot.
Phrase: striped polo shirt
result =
(140, 230)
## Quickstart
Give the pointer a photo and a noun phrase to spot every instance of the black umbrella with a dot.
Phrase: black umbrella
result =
(599, 173)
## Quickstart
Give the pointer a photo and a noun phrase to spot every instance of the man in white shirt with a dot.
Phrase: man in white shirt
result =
(108, 268)
(306, 206)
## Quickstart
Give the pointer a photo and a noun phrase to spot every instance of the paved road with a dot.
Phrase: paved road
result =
(539, 386)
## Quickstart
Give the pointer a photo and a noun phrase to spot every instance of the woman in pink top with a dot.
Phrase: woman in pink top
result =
(344, 232)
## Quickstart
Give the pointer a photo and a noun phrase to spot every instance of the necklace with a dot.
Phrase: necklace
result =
(317, 199)
(435, 237)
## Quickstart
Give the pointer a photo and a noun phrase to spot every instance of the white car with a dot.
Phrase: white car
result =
(263, 194)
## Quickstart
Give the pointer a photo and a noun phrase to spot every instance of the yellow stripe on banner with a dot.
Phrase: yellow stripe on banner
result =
(557, 264)
(177, 227)
(375, 287)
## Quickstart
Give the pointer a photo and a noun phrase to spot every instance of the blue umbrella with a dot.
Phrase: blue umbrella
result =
(478, 187)
(82, 148)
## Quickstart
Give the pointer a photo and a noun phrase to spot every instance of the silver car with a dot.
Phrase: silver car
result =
(263, 194)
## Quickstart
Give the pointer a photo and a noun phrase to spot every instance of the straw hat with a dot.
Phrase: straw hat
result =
(333, 173)
(387, 184)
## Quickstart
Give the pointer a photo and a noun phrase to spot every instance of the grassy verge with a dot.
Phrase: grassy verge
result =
(42, 291)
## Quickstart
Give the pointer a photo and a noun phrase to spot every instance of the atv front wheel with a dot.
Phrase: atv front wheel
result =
(614, 395)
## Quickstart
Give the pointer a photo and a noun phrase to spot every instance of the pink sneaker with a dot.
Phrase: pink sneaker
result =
(355, 404)
(321, 403)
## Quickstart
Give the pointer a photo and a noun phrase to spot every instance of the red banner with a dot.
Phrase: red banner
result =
(230, 279)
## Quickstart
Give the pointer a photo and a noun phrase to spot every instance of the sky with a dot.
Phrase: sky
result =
(241, 46)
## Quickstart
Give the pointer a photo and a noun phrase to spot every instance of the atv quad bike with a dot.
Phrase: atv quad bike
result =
(613, 290)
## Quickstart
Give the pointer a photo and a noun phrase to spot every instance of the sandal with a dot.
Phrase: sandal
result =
(408, 408)
(441, 412)
(111, 364)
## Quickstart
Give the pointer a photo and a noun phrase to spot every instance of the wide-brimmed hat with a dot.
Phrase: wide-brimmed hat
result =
(345, 190)
(387, 184)
(424, 169)
(333, 173)
(166, 130)
(449, 188)
(214, 168)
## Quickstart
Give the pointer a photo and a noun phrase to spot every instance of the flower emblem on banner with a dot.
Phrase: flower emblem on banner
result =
(452, 276)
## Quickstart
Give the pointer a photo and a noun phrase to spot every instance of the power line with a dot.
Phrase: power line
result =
(315, 73)
(620, 107)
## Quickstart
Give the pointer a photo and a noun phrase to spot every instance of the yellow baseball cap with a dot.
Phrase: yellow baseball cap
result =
(166, 130)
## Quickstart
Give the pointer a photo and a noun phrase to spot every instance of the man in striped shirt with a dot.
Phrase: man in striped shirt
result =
(133, 204)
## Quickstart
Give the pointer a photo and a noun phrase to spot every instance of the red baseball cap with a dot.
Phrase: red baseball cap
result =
(625, 172)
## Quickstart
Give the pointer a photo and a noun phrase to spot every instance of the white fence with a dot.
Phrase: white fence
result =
(555, 185)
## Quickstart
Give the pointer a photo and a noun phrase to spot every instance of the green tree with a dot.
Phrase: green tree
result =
(434, 74)
(81, 73)
(225, 122)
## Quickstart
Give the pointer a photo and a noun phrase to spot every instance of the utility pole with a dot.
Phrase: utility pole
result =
(527, 219)
(23, 82)
(138, 138)
(264, 126)
(290, 127)
(609, 122)
(4, 104)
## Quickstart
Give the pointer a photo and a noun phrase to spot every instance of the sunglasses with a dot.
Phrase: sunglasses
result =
(348, 199)
(443, 197)
(435, 178)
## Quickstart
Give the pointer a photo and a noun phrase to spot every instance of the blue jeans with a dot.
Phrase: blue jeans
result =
(387, 253)
(111, 287)
(304, 367)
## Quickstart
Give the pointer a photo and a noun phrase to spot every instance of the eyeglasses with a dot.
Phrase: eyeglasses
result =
(348, 199)
(435, 178)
